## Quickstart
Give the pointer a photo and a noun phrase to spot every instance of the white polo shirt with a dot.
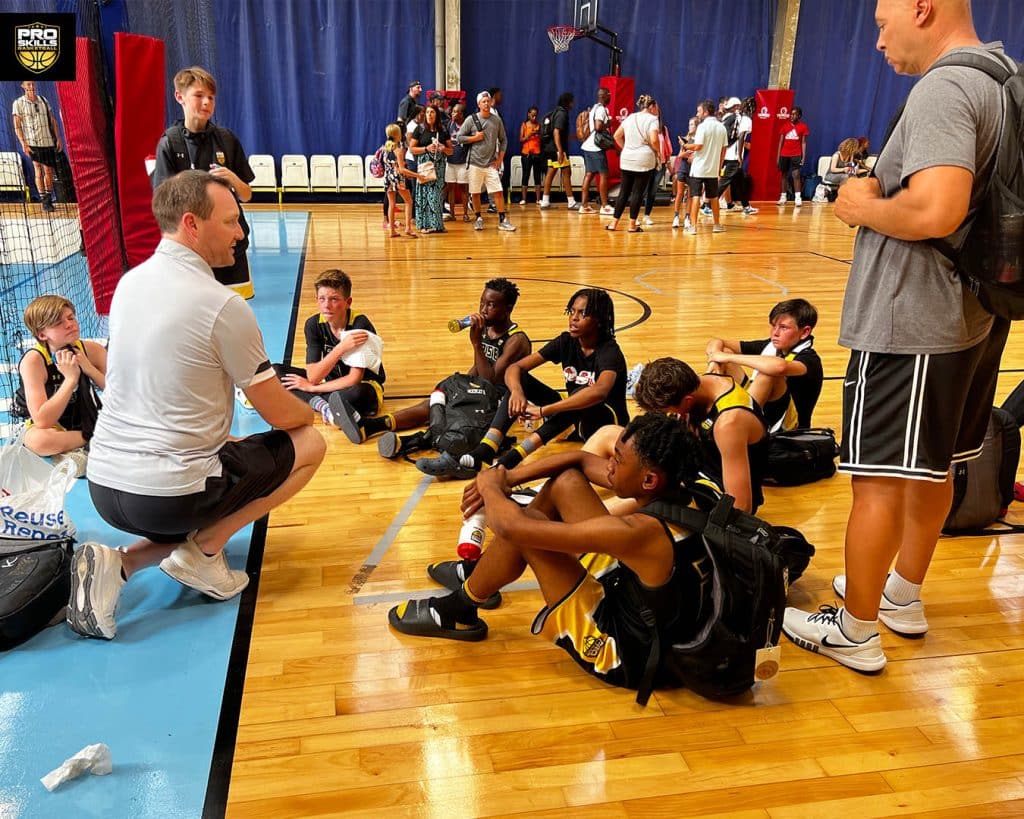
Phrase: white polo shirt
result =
(179, 343)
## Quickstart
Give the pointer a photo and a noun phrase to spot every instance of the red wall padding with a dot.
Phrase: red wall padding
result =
(138, 125)
(86, 130)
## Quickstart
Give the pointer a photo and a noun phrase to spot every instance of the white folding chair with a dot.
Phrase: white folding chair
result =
(12, 173)
(350, 173)
(516, 176)
(294, 173)
(323, 173)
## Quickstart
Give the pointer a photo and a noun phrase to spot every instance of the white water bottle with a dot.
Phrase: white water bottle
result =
(471, 536)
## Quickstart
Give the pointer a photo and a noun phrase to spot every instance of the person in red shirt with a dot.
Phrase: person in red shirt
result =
(791, 156)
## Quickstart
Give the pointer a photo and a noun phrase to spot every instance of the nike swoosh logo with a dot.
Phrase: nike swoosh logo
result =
(825, 642)
(849, 383)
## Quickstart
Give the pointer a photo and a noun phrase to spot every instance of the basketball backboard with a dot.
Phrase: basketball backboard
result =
(585, 15)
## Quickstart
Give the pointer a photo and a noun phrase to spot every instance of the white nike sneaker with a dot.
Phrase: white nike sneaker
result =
(906, 619)
(208, 574)
(821, 633)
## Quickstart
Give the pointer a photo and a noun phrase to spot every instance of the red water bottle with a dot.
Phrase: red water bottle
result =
(471, 536)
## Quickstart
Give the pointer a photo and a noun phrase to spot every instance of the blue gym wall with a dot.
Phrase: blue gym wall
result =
(844, 85)
(325, 76)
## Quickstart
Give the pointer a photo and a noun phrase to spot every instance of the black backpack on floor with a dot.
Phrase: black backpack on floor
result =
(754, 562)
(983, 487)
(800, 456)
(35, 583)
(459, 424)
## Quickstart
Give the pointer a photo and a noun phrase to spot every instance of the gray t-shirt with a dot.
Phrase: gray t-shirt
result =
(905, 297)
(484, 153)
(179, 343)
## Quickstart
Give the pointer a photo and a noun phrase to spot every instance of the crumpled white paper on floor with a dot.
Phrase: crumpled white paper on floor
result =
(95, 758)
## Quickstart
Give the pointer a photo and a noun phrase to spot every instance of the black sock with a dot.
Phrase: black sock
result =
(455, 606)
(482, 454)
(510, 459)
(375, 425)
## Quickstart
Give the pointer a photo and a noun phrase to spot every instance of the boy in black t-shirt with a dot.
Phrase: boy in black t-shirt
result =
(787, 375)
(595, 380)
(340, 392)
(195, 142)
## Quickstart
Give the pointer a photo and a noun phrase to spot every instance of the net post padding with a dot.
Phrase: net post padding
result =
(138, 126)
(85, 127)
(562, 36)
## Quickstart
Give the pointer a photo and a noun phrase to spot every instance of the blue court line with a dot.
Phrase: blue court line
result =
(154, 694)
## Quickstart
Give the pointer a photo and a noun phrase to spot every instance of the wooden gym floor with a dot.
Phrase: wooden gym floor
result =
(340, 715)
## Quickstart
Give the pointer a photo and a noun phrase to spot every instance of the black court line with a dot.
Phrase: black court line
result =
(215, 803)
(830, 258)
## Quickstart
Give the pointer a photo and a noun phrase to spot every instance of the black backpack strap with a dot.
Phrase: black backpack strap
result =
(695, 520)
(999, 72)
(179, 150)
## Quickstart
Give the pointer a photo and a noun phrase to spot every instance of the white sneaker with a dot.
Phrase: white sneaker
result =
(718, 229)
(607, 210)
(78, 457)
(903, 619)
(722, 204)
(690, 230)
(208, 574)
(821, 633)
(749, 211)
(782, 200)
(96, 584)
(797, 201)
(479, 223)
(675, 221)
(648, 220)
(574, 206)
(544, 205)
(506, 225)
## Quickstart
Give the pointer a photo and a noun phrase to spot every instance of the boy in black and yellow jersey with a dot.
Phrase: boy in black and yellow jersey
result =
(787, 374)
(343, 394)
(595, 382)
(59, 378)
(644, 587)
(727, 420)
(496, 342)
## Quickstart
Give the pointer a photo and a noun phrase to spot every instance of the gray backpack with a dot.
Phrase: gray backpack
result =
(983, 487)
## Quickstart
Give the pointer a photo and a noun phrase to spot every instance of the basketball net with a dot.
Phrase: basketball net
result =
(561, 36)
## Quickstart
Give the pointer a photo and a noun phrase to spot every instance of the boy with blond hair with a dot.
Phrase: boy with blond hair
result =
(59, 379)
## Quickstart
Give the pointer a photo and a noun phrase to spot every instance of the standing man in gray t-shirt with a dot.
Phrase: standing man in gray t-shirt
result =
(924, 354)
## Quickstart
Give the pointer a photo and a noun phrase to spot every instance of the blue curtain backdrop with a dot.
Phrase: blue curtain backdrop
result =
(681, 51)
(843, 83)
(325, 76)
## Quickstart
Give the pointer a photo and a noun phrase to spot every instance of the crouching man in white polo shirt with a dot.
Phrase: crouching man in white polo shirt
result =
(161, 464)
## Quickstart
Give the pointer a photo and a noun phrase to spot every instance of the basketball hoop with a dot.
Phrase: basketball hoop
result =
(561, 36)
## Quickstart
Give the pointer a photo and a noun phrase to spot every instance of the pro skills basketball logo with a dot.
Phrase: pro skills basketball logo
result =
(37, 46)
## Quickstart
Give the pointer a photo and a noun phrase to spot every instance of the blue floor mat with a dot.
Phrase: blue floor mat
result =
(154, 694)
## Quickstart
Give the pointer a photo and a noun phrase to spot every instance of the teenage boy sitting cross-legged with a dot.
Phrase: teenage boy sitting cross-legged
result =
(598, 573)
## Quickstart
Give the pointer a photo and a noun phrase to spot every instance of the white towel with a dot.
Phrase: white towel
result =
(368, 355)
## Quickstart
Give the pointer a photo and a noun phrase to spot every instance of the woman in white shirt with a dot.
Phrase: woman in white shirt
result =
(637, 138)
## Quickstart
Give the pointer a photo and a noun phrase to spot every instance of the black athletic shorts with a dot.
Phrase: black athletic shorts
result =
(911, 416)
(251, 468)
(707, 184)
(44, 156)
